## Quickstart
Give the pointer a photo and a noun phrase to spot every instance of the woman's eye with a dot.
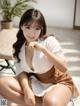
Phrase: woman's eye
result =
(27, 27)
(37, 28)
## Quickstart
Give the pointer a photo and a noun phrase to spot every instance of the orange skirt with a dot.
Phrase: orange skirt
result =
(55, 76)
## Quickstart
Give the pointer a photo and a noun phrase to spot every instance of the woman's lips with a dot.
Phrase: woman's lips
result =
(31, 37)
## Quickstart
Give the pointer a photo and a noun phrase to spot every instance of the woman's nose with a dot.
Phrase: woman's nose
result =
(31, 34)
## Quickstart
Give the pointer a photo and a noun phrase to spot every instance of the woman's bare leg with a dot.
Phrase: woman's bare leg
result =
(58, 96)
(11, 89)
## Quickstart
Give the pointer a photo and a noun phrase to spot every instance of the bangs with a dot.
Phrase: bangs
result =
(36, 23)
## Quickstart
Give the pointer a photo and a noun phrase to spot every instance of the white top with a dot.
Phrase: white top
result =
(40, 63)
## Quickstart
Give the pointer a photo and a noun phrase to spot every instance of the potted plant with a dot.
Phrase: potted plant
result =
(12, 8)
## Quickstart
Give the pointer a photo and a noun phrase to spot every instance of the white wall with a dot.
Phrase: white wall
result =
(57, 12)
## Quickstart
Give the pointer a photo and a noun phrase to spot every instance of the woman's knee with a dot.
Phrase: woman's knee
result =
(3, 82)
(10, 82)
(3, 85)
(50, 101)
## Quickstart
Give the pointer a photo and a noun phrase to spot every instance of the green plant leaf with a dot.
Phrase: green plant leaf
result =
(17, 9)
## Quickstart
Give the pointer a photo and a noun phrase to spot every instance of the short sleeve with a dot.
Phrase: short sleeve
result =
(54, 46)
(18, 68)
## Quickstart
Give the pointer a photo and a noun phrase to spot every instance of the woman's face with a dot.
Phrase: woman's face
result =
(31, 31)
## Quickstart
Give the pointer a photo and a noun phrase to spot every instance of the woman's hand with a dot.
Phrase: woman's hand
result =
(29, 97)
(36, 45)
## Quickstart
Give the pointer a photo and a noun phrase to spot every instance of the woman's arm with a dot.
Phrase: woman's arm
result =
(59, 62)
(23, 79)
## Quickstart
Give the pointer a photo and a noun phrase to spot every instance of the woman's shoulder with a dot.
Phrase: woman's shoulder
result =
(51, 41)
(50, 38)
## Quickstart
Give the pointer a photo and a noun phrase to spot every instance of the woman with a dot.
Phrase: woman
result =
(42, 77)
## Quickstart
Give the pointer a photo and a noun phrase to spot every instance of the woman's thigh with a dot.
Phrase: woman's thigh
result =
(57, 96)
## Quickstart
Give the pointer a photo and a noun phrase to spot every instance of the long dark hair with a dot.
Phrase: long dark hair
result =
(29, 16)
